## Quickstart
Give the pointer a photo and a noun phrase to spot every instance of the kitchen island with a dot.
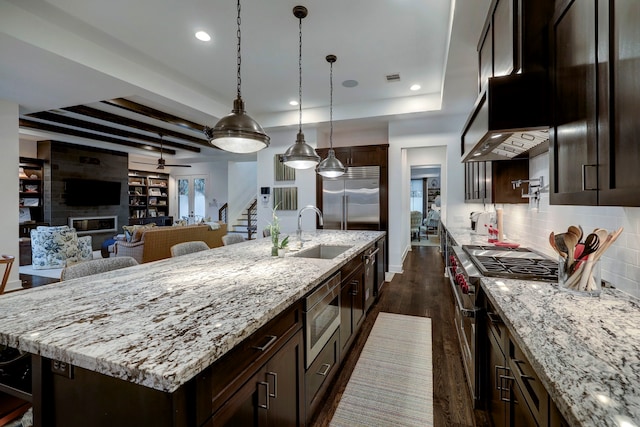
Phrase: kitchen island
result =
(159, 325)
(584, 350)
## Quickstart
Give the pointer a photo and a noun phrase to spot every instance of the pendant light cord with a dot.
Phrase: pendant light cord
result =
(300, 76)
(331, 106)
(239, 59)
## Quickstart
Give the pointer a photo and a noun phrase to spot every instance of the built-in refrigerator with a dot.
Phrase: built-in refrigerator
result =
(352, 201)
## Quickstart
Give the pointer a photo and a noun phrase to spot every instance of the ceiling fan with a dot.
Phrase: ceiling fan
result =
(161, 162)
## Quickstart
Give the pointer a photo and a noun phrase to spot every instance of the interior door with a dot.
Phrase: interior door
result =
(192, 197)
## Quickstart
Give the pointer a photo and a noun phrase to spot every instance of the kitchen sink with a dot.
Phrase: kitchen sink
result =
(322, 251)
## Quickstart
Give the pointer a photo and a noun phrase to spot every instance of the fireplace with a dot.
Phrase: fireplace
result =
(94, 224)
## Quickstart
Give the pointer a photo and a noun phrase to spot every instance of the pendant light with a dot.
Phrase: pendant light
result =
(237, 132)
(300, 155)
(331, 167)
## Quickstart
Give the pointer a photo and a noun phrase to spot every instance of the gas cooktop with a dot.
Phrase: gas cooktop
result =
(512, 263)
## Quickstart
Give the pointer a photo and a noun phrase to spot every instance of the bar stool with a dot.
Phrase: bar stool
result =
(7, 261)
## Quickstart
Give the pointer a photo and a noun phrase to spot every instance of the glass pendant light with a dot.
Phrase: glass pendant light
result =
(331, 167)
(237, 132)
(300, 155)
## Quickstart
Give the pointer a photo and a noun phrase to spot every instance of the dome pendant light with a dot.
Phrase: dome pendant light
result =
(300, 155)
(331, 167)
(237, 132)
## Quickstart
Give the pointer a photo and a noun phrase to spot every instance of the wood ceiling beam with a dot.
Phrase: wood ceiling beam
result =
(46, 127)
(125, 121)
(70, 121)
(156, 114)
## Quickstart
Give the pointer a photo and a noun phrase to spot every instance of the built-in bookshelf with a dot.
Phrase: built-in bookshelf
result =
(31, 192)
(148, 197)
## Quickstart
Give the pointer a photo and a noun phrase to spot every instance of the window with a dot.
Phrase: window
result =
(192, 196)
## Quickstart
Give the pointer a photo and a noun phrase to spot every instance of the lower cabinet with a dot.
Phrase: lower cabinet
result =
(272, 395)
(351, 307)
(320, 373)
(515, 395)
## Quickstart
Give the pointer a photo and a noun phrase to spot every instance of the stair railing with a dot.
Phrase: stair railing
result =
(252, 219)
(223, 213)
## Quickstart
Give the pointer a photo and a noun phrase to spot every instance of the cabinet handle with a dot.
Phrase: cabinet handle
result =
(494, 318)
(507, 389)
(584, 177)
(272, 339)
(266, 395)
(275, 384)
(354, 288)
(324, 372)
(524, 376)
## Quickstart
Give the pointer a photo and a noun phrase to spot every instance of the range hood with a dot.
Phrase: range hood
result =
(510, 119)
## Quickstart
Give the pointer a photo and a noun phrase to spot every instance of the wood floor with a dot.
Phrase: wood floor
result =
(422, 290)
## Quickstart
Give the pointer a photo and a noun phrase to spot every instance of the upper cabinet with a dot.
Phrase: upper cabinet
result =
(491, 182)
(513, 39)
(595, 61)
(367, 155)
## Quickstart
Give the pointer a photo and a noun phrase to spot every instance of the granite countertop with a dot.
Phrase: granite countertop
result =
(161, 323)
(586, 350)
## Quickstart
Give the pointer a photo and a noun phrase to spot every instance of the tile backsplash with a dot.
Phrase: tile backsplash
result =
(531, 226)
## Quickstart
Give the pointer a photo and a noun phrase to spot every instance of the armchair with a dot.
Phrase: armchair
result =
(56, 247)
(416, 221)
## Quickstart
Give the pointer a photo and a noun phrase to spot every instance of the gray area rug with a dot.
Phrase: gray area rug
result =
(392, 383)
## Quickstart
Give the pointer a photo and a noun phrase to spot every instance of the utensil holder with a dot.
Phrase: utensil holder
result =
(583, 279)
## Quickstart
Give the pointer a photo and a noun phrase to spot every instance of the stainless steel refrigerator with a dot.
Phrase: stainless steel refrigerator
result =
(352, 201)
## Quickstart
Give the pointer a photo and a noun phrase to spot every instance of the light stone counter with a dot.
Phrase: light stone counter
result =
(159, 324)
(586, 350)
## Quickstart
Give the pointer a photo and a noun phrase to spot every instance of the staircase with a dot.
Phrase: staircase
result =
(247, 222)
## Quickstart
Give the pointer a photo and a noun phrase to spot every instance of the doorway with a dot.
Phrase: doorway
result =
(425, 197)
(192, 197)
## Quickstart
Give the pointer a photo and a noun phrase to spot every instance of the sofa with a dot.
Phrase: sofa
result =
(57, 247)
(155, 243)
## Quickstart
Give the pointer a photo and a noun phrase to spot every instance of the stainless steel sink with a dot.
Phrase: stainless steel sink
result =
(322, 251)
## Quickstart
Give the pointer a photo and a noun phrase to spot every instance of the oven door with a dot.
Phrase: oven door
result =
(465, 316)
(322, 317)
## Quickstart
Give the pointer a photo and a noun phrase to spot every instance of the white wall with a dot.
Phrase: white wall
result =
(241, 187)
(305, 182)
(216, 174)
(9, 160)
(440, 138)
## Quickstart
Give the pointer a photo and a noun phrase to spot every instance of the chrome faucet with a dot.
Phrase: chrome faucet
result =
(299, 231)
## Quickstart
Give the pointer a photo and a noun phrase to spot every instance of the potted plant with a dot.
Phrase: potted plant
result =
(274, 232)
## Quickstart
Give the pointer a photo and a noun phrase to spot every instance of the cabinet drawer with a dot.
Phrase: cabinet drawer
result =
(219, 381)
(533, 391)
(320, 373)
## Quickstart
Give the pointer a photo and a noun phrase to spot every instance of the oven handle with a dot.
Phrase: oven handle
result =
(464, 311)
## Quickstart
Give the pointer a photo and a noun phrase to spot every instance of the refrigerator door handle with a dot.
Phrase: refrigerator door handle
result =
(345, 213)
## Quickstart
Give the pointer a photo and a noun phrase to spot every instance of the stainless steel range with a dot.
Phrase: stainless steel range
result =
(466, 266)
(512, 263)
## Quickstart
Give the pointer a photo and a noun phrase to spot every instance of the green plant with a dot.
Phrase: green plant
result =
(274, 229)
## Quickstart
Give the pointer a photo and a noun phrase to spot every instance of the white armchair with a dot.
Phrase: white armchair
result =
(56, 247)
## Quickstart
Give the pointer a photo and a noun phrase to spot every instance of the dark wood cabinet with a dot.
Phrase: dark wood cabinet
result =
(594, 63)
(272, 395)
(514, 39)
(491, 182)
(319, 375)
(351, 305)
(367, 155)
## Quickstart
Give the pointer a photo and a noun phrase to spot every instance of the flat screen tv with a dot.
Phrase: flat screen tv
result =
(91, 192)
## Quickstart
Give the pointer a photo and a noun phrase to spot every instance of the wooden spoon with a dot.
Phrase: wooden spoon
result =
(552, 242)
(575, 230)
(570, 240)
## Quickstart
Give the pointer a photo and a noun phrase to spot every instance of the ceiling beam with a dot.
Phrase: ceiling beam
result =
(70, 121)
(156, 114)
(125, 121)
(46, 127)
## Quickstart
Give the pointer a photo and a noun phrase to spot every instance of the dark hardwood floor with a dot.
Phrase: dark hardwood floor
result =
(422, 290)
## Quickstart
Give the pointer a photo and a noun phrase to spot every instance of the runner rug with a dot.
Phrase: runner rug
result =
(392, 383)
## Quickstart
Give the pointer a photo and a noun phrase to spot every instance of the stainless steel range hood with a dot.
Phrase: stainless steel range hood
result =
(509, 120)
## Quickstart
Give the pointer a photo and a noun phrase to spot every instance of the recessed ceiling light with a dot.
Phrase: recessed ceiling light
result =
(203, 36)
(350, 83)
(293, 103)
(415, 87)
